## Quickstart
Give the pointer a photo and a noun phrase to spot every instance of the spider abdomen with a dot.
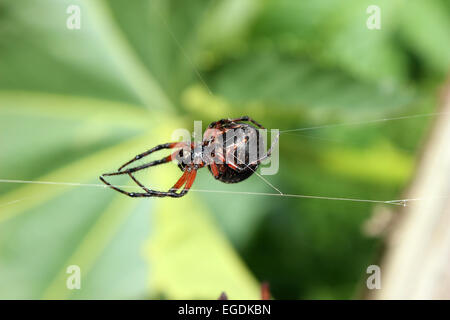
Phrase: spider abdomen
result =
(241, 146)
(229, 175)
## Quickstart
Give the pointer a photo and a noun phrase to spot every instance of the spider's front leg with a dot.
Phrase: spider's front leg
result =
(170, 145)
(187, 178)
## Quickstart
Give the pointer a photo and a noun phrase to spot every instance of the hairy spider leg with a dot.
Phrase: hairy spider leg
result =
(188, 177)
(214, 169)
(150, 164)
(150, 193)
(185, 178)
(180, 182)
(231, 165)
(147, 165)
(243, 118)
(269, 152)
(172, 192)
(176, 186)
(247, 118)
(157, 148)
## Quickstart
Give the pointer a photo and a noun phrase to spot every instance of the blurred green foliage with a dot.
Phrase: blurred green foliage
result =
(77, 103)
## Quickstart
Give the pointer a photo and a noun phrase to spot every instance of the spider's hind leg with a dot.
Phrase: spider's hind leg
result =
(148, 193)
(171, 193)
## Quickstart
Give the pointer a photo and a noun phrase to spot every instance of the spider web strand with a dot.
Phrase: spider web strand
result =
(400, 202)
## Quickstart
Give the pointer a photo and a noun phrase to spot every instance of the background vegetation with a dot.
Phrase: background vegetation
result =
(77, 103)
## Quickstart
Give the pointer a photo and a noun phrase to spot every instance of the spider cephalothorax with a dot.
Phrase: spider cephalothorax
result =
(231, 149)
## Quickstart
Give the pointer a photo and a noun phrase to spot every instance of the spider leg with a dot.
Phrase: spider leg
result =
(269, 152)
(214, 169)
(189, 182)
(186, 179)
(131, 170)
(144, 166)
(243, 118)
(157, 148)
(247, 118)
(187, 176)
(230, 164)
(172, 190)
(149, 193)
(235, 167)
(180, 182)
(130, 194)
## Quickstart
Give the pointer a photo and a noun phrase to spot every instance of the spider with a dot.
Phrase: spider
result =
(228, 161)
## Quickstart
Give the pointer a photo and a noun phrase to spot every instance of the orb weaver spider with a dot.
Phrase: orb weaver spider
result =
(224, 162)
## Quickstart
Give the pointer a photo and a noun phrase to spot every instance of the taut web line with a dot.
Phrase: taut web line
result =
(401, 202)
